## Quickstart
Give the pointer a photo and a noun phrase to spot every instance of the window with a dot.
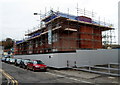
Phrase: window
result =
(55, 37)
(38, 62)
(36, 45)
(54, 50)
(41, 43)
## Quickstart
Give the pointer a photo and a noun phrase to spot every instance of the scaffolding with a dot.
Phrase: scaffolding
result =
(66, 33)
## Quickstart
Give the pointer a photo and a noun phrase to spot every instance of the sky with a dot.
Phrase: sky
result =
(16, 16)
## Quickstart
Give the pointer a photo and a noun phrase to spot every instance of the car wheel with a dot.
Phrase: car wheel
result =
(24, 67)
(15, 64)
(27, 68)
(33, 69)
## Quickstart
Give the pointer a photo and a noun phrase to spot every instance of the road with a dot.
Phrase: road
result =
(23, 76)
(19, 76)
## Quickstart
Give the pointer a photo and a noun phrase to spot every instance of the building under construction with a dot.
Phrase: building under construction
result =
(62, 32)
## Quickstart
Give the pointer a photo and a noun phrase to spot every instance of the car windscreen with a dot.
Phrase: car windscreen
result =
(38, 62)
(26, 61)
(7, 59)
(3, 58)
(13, 59)
(19, 59)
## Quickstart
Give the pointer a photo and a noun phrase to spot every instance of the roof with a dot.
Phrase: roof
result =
(52, 15)
(103, 28)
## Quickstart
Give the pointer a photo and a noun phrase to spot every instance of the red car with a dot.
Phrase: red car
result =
(36, 65)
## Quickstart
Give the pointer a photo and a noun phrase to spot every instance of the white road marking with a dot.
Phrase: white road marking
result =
(111, 77)
(67, 77)
(54, 74)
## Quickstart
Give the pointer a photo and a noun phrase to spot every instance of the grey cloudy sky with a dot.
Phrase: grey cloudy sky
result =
(16, 16)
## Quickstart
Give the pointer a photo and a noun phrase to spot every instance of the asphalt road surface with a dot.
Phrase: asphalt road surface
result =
(23, 76)
(20, 76)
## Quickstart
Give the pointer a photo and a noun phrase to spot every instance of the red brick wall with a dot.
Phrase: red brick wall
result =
(91, 36)
(87, 37)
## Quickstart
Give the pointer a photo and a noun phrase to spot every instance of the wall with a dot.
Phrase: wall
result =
(68, 41)
(89, 36)
(85, 36)
(81, 57)
(52, 62)
(66, 60)
(96, 57)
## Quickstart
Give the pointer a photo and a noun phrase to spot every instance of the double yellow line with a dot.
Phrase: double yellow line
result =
(14, 82)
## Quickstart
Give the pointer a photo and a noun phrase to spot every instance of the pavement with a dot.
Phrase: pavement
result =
(79, 74)
(91, 77)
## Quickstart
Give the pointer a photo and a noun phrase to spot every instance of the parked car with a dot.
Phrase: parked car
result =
(24, 62)
(3, 59)
(7, 60)
(17, 61)
(36, 65)
(12, 61)
(6, 56)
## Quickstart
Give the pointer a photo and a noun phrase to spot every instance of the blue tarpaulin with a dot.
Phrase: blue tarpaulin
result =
(73, 17)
